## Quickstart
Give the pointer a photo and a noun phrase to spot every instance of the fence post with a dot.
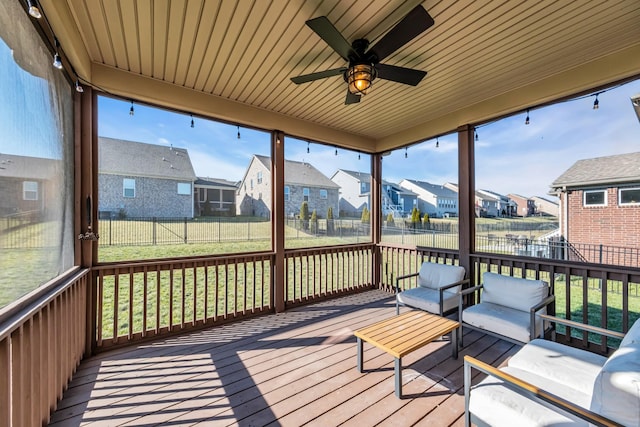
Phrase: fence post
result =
(248, 230)
(185, 229)
(154, 231)
(110, 229)
(219, 230)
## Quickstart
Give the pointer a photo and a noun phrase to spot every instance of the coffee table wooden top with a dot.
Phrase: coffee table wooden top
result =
(407, 332)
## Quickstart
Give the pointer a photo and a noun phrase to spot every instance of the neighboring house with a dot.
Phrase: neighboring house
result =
(355, 193)
(524, 205)
(600, 201)
(435, 200)
(545, 206)
(487, 204)
(505, 206)
(26, 184)
(302, 182)
(144, 180)
(214, 197)
(355, 190)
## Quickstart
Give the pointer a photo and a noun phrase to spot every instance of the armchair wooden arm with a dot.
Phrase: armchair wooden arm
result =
(526, 389)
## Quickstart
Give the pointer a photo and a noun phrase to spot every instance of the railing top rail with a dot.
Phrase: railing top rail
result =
(320, 249)
(14, 315)
(632, 271)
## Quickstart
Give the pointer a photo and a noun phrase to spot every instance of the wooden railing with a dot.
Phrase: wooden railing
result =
(146, 299)
(41, 345)
(397, 260)
(597, 295)
(317, 273)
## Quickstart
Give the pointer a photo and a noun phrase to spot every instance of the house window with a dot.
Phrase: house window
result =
(259, 179)
(305, 194)
(595, 198)
(259, 196)
(323, 194)
(251, 183)
(629, 196)
(129, 187)
(287, 193)
(30, 190)
(184, 188)
(202, 195)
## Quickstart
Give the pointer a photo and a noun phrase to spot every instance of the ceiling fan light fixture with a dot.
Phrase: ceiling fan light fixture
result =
(360, 78)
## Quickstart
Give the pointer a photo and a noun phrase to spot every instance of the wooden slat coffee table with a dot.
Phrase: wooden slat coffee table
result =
(402, 334)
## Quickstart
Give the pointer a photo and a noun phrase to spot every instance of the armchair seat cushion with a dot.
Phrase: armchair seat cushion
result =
(497, 405)
(501, 320)
(572, 367)
(428, 299)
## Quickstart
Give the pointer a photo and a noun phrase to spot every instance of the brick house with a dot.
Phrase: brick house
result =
(144, 180)
(525, 206)
(302, 182)
(600, 201)
(27, 185)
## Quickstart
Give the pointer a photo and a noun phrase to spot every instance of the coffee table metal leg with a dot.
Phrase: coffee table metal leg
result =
(398, 377)
(454, 342)
(359, 354)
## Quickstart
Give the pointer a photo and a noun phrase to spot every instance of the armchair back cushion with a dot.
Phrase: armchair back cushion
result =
(616, 391)
(513, 292)
(435, 276)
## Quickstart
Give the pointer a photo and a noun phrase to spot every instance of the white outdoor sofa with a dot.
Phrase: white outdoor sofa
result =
(506, 307)
(550, 384)
(437, 290)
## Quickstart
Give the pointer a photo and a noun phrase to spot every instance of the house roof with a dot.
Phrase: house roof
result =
(616, 169)
(24, 167)
(300, 173)
(216, 182)
(360, 176)
(233, 60)
(120, 157)
(437, 190)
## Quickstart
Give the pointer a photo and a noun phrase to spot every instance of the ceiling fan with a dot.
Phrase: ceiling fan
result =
(364, 65)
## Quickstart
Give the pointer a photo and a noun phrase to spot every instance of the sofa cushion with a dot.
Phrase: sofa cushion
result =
(501, 320)
(632, 336)
(428, 299)
(435, 276)
(616, 392)
(572, 367)
(492, 403)
(521, 294)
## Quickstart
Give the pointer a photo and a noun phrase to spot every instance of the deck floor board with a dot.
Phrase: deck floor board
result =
(289, 369)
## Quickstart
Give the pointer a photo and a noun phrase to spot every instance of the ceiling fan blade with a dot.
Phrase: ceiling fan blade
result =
(317, 76)
(327, 32)
(351, 98)
(408, 76)
(416, 21)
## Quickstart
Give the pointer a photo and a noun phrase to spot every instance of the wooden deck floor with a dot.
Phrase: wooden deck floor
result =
(290, 369)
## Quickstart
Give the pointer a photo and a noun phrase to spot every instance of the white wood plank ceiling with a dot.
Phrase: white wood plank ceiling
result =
(484, 58)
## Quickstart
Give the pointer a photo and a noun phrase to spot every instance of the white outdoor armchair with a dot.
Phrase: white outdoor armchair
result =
(437, 290)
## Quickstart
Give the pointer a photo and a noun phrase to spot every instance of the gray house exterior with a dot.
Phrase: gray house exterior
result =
(435, 200)
(302, 181)
(144, 180)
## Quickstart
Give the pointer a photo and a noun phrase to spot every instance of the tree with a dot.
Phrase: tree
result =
(390, 221)
(365, 216)
(425, 220)
(330, 221)
(314, 222)
(304, 215)
(415, 217)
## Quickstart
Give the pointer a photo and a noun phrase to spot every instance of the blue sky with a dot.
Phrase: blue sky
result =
(511, 157)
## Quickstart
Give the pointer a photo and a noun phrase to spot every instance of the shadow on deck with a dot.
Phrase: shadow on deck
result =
(289, 369)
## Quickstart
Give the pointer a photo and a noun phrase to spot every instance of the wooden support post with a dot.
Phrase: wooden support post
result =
(466, 198)
(375, 219)
(278, 219)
